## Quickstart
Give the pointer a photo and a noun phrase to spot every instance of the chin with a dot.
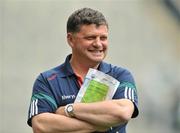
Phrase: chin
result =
(97, 60)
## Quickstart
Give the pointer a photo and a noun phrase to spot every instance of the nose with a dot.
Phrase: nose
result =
(97, 43)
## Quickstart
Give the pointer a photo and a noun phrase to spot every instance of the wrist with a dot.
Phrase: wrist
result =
(69, 110)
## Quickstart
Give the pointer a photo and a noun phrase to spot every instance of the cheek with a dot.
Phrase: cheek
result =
(82, 47)
(105, 45)
(85, 44)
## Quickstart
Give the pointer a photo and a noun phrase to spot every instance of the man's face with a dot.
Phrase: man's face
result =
(90, 43)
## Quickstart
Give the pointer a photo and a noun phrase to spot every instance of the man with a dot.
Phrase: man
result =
(52, 108)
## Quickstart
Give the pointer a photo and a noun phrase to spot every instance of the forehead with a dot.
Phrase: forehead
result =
(93, 29)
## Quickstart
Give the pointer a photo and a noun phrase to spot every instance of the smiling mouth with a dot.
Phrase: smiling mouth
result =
(96, 51)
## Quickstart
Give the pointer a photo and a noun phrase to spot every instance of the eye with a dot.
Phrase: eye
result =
(103, 38)
(90, 37)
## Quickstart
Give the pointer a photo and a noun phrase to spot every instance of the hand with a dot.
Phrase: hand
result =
(101, 129)
(60, 111)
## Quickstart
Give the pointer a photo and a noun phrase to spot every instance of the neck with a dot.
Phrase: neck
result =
(81, 68)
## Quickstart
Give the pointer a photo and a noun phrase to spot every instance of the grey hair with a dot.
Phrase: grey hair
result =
(85, 16)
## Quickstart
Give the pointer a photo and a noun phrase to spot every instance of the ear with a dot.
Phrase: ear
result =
(70, 39)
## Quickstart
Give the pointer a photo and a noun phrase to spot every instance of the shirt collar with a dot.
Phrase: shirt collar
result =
(104, 67)
(66, 69)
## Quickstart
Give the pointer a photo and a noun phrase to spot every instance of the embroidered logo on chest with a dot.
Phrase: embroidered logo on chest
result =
(65, 97)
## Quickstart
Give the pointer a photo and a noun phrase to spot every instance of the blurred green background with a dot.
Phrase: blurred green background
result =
(144, 37)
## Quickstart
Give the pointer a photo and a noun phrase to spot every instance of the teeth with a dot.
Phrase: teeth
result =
(95, 51)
